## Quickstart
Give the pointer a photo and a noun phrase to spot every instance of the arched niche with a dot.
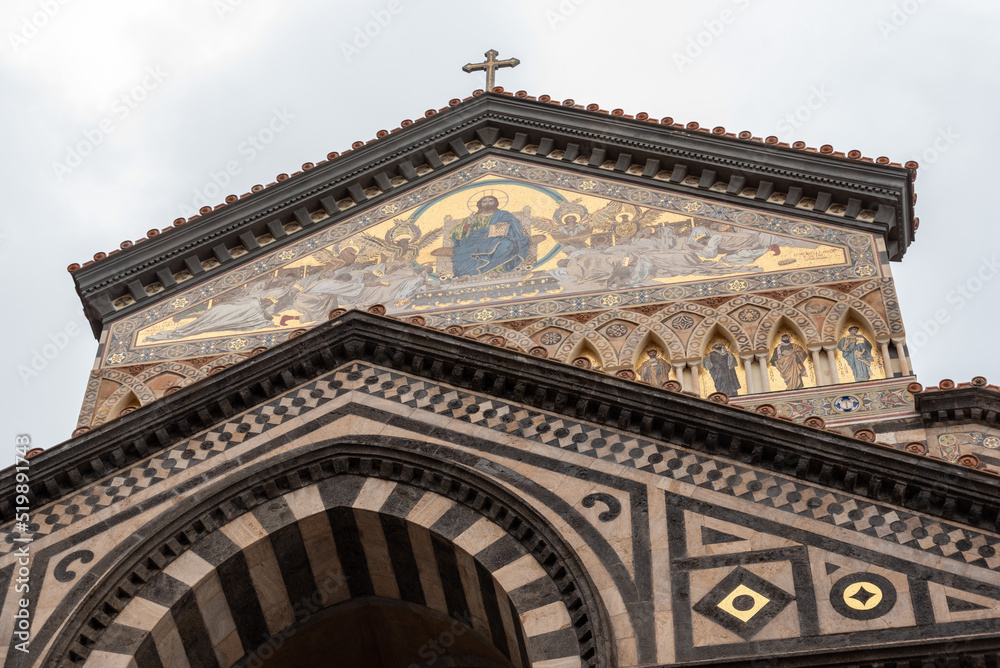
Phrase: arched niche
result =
(584, 348)
(859, 357)
(309, 557)
(122, 402)
(652, 361)
(789, 363)
(721, 367)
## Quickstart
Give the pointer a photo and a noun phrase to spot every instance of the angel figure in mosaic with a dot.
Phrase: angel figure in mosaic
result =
(403, 242)
(623, 220)
(569, 226)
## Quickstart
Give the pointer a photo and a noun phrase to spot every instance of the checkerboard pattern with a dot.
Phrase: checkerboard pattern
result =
(164, 465)
(559, 432)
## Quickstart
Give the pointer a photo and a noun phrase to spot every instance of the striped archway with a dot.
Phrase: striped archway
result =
(396, 533)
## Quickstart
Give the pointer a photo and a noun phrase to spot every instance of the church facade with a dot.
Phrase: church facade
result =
(520, 383)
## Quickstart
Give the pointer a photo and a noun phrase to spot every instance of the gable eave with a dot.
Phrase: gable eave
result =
(597, 137)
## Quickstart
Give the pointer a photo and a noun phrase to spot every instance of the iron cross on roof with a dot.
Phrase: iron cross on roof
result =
(491, 65)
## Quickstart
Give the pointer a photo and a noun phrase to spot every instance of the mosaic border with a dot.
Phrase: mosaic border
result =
(862, 262)
(667, 460)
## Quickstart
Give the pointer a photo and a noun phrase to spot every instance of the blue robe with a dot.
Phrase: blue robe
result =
(476, 252)
(857, 352)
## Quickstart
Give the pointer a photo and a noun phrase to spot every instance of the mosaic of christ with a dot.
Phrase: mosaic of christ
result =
(493, 240)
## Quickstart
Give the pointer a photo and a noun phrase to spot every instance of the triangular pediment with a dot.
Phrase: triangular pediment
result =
(715, 168)
(496, 240)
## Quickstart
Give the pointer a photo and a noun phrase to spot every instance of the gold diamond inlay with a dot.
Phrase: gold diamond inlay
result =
(738, 598)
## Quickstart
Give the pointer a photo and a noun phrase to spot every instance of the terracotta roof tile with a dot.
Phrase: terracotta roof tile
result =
(692, 126)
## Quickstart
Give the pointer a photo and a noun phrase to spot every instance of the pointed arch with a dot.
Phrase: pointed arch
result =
(516, 339)
(566, 349)
(584, 347)
(125, 401)
(727, 326)
(782, 323)
(791, 374)
(858, 359)
(719, 377)
(180, 368)
(840, 313)
(674, 347)
(649, 339)
(781, 312)
(652, 362)
(112, 406)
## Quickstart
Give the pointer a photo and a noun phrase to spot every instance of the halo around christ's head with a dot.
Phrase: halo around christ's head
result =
(501, 196)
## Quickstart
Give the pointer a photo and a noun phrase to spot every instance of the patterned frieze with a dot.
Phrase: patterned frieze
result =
(686, 276)
(573, 243)
(644, 411)
(761, 564)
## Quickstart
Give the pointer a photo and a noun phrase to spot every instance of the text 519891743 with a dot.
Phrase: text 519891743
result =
(22, 618)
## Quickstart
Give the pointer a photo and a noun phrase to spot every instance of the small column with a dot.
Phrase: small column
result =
(901, 351)
(748, 370)
(886, 362)
(679, 372)
(765, 381)
(831, 358)
(822, 378)
(695, 367)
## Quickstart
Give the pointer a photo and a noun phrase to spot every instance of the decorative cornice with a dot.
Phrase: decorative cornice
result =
(867, 470)
(588, 141)
(961, 405)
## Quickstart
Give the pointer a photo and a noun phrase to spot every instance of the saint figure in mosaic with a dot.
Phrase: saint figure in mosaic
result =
(489, 239)
(857, 351)
(721, 364)
(654, 369)
(789, 359)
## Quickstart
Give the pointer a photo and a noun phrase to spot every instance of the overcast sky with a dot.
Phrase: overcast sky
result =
(161, 95)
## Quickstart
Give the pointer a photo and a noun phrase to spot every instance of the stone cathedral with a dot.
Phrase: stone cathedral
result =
(520, 383)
